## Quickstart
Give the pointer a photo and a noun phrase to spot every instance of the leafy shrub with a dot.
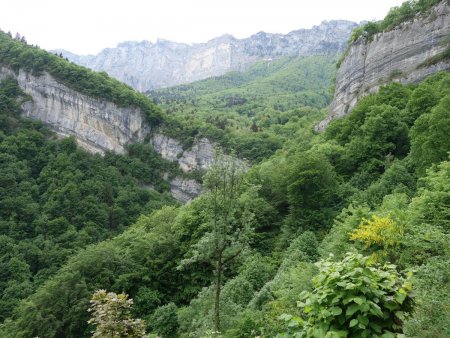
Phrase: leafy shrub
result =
(380, 233)
(352, 298)
(165, 321)
(112, 318)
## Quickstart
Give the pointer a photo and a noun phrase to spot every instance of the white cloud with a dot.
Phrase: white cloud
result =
(87, 26)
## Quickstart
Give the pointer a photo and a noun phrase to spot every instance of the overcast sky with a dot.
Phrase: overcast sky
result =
(88, 26)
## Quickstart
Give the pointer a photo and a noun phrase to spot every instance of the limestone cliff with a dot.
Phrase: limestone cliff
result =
(199, 157)
(97, 125)
(145, 65)
(100, 126)
(184, 189)
(396, 55)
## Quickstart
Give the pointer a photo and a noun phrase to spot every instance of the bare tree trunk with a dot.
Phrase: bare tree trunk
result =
(218, 290)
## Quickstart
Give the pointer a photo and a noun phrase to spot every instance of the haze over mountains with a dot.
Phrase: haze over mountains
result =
(145, 65)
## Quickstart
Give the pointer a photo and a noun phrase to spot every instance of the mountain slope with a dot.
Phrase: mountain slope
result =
(250, 112)
(145, 65)
(305, 203)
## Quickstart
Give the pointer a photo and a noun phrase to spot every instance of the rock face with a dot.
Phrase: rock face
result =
(396, 55)
(184, 190)
(145, 65)
(97, 125)
(199, 157)
(100, 126)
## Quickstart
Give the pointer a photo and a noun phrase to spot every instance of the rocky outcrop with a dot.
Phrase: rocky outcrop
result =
(169, 148)
(185, 190)
(199, 157)
(97, 125)
(145, 65)
(396, 55)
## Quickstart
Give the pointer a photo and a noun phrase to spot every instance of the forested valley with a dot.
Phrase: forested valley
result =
(343, 233)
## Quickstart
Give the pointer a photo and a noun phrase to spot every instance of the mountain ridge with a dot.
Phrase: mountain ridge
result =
(146, 65)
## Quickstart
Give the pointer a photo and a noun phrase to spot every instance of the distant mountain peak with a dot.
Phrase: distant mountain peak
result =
(145, 65)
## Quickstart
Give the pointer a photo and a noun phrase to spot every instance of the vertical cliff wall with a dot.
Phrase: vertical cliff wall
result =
(397, 55)
(100, 126)
(97, 125)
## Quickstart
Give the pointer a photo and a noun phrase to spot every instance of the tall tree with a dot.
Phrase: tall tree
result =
(230, 222)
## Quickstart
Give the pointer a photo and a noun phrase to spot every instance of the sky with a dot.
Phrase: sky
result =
(88, 26)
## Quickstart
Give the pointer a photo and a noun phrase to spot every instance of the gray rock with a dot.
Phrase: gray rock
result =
(145, 65)
(97, 125)
(184, 190)
(390, 56)
(199, 157)
(100, 126)
(169, 148)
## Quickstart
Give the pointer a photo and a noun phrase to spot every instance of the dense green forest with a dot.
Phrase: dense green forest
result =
(252, 112)
(375, 183)
(343, 233)
(56, 199)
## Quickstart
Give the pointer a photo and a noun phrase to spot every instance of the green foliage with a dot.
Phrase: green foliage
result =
(396, 16)
(136, 262)
(164, 321)
(429, 136)
(17, 55)
(377, 131)
(249, 112)
(432, 204)
(311, 192)
(337, 241)
(196, 319)
(56, 199)
(353, 298)
(395, 179)
(432, 310)
(380, 234)
(230, 222)
(65, 215)
(112, 318)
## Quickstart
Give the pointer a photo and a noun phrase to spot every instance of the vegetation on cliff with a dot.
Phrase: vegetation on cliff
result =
(396, 16)
(56, 199)
(18, 55)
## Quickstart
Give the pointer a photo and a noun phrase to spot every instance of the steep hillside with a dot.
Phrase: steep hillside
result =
(145, 65)
(56, 199)
(373, 190)
(343, 233)
(410, 44)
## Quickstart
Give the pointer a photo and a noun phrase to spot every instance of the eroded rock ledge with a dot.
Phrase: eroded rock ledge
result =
(97, 125)
(397, 55)
(100, 126)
